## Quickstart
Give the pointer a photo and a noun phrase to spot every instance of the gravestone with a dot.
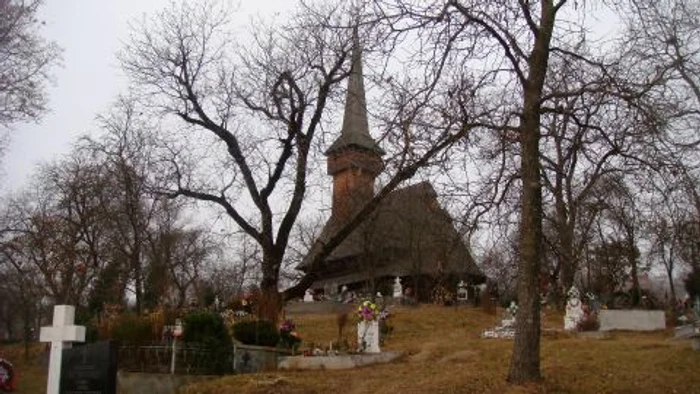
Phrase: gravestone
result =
(309, 296)
(368, 336)
(462, 293)
(507, 328)
(90, 368)
(509, 315)
(631, 320)
(398, 288)
(61, 334)
(574, 310)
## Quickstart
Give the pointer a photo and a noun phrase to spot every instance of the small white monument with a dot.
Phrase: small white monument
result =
(368, 336)
(574, 309)
(309, 296)
(509, 316)
(398, 289)
(61, 334)
(462, 293)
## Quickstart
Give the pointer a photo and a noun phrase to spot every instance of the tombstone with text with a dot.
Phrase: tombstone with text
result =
(90, 368)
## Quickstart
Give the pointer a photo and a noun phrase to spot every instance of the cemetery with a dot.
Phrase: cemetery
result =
(329, 350)
(352, 197)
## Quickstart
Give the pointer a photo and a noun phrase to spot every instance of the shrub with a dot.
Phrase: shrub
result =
(208, 329)
(205, 327)
(131, 329)
(258, 332)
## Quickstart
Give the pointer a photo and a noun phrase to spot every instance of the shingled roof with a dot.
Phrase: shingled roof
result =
(409, 228)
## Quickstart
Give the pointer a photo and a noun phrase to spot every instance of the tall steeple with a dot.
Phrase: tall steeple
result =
(355, 158)
(355, 131)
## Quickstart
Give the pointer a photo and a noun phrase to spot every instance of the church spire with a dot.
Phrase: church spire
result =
(355, 131)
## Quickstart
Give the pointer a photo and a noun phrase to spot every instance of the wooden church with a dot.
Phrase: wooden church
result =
(409, 236)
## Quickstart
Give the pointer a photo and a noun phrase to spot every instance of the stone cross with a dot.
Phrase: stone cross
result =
(61, 334)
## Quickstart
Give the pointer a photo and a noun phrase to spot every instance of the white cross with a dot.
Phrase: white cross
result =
(61, 334)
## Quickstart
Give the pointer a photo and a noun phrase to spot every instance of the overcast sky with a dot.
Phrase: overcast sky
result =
(90, 33)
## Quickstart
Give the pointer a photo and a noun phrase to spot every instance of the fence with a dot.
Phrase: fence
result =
(191, 358)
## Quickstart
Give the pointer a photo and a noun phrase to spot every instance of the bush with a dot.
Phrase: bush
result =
(258, 332)
(208, 329)
(131, 329)
(205, 327)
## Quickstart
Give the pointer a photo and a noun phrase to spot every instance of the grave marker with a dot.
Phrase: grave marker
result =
(398, 288)
(368, 336)
(90, 368)
(61, 334)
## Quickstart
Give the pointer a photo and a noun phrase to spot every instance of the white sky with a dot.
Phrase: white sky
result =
(90, 33)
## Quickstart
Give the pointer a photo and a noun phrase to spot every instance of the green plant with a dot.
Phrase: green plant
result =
(258, 332)
(205, 327)
(209, 330)
(131, 329)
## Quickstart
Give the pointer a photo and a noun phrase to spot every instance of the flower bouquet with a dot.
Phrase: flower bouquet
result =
(289, 339)
(368, 327)
(367, 311)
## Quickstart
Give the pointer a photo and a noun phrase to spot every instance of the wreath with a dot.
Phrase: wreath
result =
(7, 376)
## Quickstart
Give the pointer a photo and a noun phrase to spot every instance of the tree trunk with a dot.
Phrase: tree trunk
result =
(270, 302)
(632, 259)
(525, 362)
(669, 271)
(138, 282)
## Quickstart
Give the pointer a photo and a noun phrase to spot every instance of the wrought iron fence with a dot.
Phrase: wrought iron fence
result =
(190, 358)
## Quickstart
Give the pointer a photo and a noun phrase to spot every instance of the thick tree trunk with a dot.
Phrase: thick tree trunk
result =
(270, 302)
(525, 362)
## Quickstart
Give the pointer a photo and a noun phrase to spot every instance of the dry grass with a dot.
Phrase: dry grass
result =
(31, 374)
(445, 354)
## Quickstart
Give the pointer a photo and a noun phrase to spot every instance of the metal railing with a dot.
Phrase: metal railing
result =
(190, 358)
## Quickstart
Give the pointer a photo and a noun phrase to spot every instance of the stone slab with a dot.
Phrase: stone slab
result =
(337, 362)
(631, 320)
(687, 331)
(253, 359)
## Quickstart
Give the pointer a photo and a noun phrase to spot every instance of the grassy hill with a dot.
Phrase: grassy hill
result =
(445, 354)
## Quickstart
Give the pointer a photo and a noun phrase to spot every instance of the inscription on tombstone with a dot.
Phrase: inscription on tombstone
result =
(90, 368)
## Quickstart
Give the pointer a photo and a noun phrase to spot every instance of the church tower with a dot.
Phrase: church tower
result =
(354, 159)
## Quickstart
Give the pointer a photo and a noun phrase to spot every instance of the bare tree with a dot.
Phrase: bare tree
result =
(262, 111)
(25, 62)
(515, 49)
